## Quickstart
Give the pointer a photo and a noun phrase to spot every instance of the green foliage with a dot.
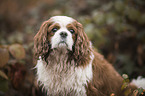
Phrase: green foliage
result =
(3, 85)
(126, 84)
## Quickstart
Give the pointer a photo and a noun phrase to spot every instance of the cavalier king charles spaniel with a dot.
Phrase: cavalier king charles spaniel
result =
(67, 64)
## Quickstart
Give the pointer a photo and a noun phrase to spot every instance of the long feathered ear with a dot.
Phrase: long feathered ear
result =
(41, 43)
(82, 45)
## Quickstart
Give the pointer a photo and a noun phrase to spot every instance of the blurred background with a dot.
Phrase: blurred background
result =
(115, 27)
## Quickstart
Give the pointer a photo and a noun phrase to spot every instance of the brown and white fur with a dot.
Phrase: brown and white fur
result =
(68, 65)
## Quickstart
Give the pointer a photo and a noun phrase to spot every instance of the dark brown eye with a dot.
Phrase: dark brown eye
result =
(54, 30)
(72, 31)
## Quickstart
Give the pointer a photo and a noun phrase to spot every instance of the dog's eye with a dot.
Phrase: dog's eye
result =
(54, 30)
(72, 31)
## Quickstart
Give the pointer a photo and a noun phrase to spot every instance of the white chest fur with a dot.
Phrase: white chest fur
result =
(58, 79)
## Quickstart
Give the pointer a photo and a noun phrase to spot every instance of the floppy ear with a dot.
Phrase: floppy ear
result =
(82, 45)
(41, 43)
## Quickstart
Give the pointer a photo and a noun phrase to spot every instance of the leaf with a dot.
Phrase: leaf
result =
(111, 18)
(119, 6)
(107, 6)
(3, 75)
(4, 57)
(17, 51)
(125, 85)
(133, 14)
(3, 85)
(140, 90)
(99, 18)
(17, 75)
(127, 92)
(142, 19)
(135, 92)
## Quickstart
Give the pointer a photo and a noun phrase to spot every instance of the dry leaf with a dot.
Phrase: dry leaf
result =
(4, 57)
(3, 75)
(127, 92)
(17, 51)
(135, 92)
(17, 75)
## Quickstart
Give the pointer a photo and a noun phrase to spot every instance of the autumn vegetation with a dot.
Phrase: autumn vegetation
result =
(115, 27)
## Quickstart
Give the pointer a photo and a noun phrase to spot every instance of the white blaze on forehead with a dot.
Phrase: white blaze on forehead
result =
(62, 20)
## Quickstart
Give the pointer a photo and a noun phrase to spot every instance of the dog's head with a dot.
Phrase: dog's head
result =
(61, 32)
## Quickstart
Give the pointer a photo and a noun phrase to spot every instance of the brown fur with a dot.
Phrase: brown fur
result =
(81, 47)
(106, 80)
(80, 50)
(41, 42)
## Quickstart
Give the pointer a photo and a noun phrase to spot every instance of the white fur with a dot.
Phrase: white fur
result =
(139, 82)
(75, 78)
(63, 21)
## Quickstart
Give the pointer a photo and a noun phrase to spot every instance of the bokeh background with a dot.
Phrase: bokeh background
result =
(115, 27)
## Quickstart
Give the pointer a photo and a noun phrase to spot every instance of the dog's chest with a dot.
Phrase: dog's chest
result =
(61, 79)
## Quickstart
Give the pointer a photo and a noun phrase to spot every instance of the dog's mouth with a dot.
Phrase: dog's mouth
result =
(62, 44)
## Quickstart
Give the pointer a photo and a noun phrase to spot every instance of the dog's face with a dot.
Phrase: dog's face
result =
(62, 32)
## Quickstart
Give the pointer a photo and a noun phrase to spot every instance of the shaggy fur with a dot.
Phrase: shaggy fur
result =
(62, 78)
(74, 70)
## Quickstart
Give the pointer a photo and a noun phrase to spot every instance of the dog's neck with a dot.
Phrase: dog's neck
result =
(58, 60)
(60, 74)
(62, 77)
(57, 55)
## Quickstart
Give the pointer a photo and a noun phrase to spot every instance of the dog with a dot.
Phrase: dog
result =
(68, 65)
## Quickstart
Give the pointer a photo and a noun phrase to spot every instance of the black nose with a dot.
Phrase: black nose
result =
(63, 34)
